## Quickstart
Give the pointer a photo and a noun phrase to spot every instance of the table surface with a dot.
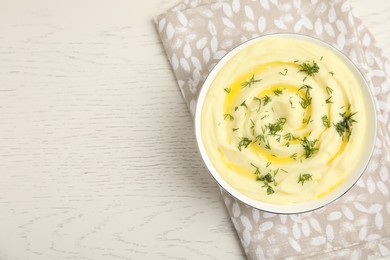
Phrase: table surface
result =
(97, 152)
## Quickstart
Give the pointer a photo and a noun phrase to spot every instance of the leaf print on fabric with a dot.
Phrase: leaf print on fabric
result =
(249, 13)
(260, 253)
(371, 187)
(266, 226)
(182, 18)
(320, 9)
(296, 231)
(192, 106)
(212, 29)
(366, 40)
(347, 212)
(207, 13)
(161, 25)
(375, 208)
(329, 30)
(214, 44)
(187, 51)
(236, 6)
(340, 25)
(246, 238)
(345, 7)
(228, 23)
(184, 64)
(227, 10)
(306, 22)
(379, 220)
(236, 210)
(315, 225)
(318, 26)
(196, 63)
(219, 54)
(305, 228)
(176, 44)
(201, 43)
(294, 244)
(206, 55)
(246, 222)
(283, 219)
(255, 215)
(317, 241)
(280, 24)
(297, 4)
(248, 26)
(174, 62)
(382, 188)
(335, 215)
(340, 42)
(329, 231)
(384, 250)
(170, 31)
(261, 24)
(196, 77)
(265, 4)
(362, 232)
(268, 215)
(331, 15)
(227, 44)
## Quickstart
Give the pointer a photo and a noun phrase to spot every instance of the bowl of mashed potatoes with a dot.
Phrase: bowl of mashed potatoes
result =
(285, 123)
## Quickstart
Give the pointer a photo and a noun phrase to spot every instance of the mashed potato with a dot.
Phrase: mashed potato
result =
(282, 121)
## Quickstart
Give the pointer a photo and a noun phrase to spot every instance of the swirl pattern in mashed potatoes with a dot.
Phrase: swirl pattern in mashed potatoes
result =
(281, 121)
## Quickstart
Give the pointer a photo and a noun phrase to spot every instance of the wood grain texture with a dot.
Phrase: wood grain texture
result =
(97, 152)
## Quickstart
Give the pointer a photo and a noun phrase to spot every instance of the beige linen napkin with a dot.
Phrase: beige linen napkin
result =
(196, 34)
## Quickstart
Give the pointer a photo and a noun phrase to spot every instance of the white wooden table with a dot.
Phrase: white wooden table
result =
(97, 153)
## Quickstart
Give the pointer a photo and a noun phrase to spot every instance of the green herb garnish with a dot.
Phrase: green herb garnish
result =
(306, 121)
(253, 127)
(267, 179)
(344, 126)
(328, 100)
(244, 142)
(325, 121)
(227, 90)
(278, 92)
(258, 99)
(294, 156)
(250, 82)
(329, 90)
(284, 73)
(290, 136)
(276, 127)
(243, 104)
(229, 116)
(308, 146)
(305, 86)
(304, 177)
(305, 101)
(309, 69)
(266, 99)
(291, 104)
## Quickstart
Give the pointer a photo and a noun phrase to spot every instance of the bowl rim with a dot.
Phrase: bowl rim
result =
(295, 208)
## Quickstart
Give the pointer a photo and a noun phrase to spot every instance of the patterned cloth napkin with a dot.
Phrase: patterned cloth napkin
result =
(196, 34)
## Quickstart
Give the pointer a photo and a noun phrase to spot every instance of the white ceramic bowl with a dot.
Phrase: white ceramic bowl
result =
(299, 207)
